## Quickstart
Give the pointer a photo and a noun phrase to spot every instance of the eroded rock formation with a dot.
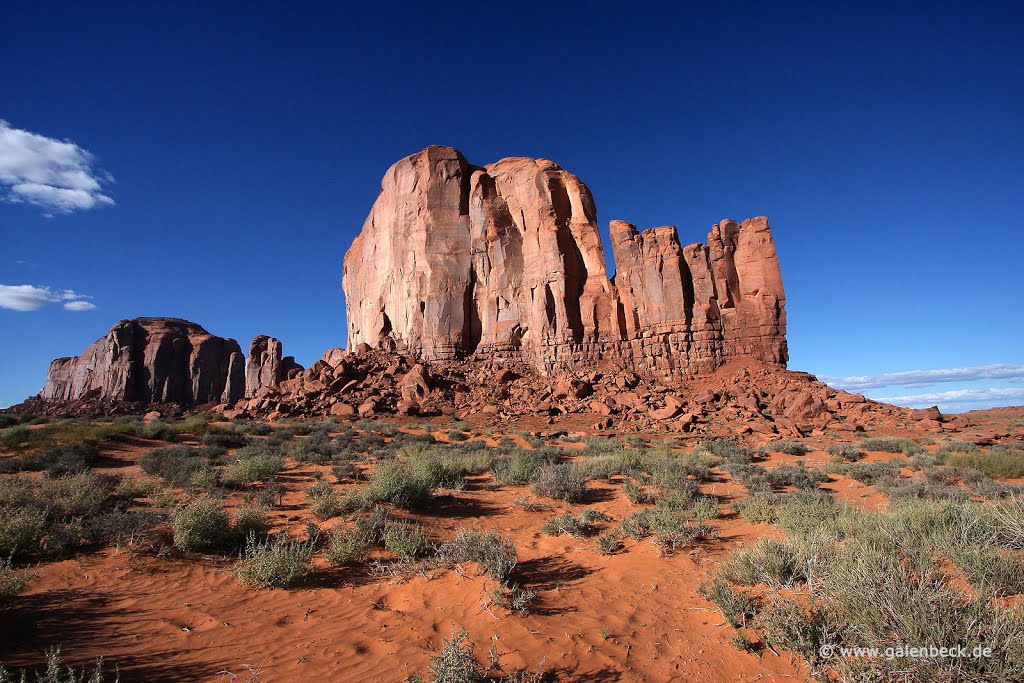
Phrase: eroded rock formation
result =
(506, 262)
(151, 360)
(267, 367)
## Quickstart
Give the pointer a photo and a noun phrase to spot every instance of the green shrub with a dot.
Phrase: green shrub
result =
(346, 547)
(998, 462)
(518, 466)
(393, 482)
(637, 495)
(176, 465)
(11, 582)
(564, 482)
(12, 437)
(279, 562)
(798, 476)
(156, 431)
(251, 464)
(21, 529)
(201, 525)
(405, 540)
(844, 452)
(495, 554)
(790, 447)
(56, 672)
(870, 473)
(78, 494)
(736, 607)
(771, 562)
(251, 520)
(891, 445)
(757, 508)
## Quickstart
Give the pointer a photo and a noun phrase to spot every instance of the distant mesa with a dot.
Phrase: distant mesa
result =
(506, 262)
(151, 360)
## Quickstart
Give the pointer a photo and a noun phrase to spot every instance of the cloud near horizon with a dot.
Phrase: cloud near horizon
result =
(959, 397)
(31, 298)
(55, 175)
(920, 378)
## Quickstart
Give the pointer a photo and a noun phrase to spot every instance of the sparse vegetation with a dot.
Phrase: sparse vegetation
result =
(277, 562)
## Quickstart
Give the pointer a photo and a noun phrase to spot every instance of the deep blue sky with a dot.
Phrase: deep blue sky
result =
(884, 141)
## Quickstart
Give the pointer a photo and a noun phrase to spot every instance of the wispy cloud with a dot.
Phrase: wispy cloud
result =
(31, 298)
(959, 397)
(919, 378)
(55, 175)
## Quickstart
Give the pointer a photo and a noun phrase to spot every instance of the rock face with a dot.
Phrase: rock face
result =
(266, 366)
(506, 262)
(152, 360)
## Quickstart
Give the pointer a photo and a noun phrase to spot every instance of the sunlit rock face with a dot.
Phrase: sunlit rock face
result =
(506, 261)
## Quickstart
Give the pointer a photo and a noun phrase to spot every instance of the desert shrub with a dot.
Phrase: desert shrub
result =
(21, 529)
(753, 477)
(12, 582)
(790, 447)
(57, 672)
(564, 482)
(736, 607)
(437, 471)
(872, 580)
(406, 540)
(518, 465)
(728, 449)
(201, 525)
(798, 475)
(771, 562)
(601, 466)
(9, 420)
(609, 542)
(277, 562)
(844, 452)
(998, 462)
(317, 448)
(250, 520)
(395, 483)
(77, 494)
(326, 506)
(757, 508)
(456, 662)
(704, 507)
(251, 464)
(513, 597)
(890, 444)
(496, 555)
(155, 431)
(1008, 522)
(568, 524)
(870, 473)
(786, 623)
(346, 547)
(57, 460)
(176, 465)
(637, 495)
(14, 436)
(226, 439)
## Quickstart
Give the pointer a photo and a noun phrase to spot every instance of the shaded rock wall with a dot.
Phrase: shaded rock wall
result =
(152, 360)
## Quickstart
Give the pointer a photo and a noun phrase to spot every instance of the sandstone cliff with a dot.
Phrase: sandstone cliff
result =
(152, 360)
(506, 262)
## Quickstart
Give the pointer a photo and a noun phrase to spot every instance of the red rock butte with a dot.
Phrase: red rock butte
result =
(505, 262)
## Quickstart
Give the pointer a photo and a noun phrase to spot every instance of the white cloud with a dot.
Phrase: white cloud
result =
(958, 400)
(56, 175)
(918, 378)
(79, 306)
(32, 298)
